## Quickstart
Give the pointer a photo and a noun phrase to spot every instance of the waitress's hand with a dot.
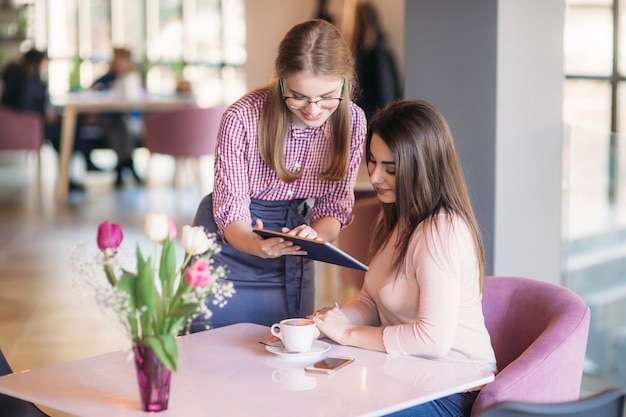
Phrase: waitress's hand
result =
(304, 230)
(274, 247)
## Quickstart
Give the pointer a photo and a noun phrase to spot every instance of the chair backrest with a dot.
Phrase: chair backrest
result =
(539, 334)
(355, 239)
(20, 130)
(14, 407)
(5, 368)
(608, 403)
(184, 132)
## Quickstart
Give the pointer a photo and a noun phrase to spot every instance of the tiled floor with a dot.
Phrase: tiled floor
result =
(43, 318)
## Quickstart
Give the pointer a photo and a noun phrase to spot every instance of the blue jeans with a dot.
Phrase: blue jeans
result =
(455, 405)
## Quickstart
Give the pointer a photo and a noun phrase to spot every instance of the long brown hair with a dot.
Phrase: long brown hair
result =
(315, 46)
(429, 178)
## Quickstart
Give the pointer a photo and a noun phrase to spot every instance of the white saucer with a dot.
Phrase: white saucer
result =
(317, 348)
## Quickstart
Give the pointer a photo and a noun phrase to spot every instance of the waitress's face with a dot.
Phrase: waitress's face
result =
(311, 99)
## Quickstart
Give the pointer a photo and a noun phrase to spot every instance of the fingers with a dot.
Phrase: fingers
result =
(304, 230)
(276, 247)
(322, 312)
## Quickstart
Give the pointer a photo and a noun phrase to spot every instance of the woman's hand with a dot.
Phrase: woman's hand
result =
(333, 323)
(336, 325)
(274, 247)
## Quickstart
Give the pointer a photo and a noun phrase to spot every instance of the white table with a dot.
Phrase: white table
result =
(226, 372)
(97, 102)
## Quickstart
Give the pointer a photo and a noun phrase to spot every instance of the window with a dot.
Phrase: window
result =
(170, 40)
(594, 109)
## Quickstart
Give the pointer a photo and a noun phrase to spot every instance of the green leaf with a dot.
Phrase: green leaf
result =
(167, 268)
(145, 283)
(146, 294)
(140, 258)
(184, 310)
(165, 348)
(127, 283)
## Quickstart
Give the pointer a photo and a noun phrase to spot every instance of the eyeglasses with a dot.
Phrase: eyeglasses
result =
(298, 103)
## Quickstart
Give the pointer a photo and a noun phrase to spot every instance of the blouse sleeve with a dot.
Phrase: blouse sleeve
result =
(434, 262)
(339, 202)
(231, 191)
(362, 310)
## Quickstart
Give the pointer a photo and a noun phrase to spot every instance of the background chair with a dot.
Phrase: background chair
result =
(22, 130)
(539, 334)
(14, 407)
(608, 403)
(355, 239)
(185, 134)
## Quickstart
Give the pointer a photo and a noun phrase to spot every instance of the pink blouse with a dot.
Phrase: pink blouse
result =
(431, 307)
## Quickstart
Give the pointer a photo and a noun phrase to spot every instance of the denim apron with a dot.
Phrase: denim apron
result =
(267, 290)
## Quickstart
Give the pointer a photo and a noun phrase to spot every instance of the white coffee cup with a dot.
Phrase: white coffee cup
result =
(296, 334)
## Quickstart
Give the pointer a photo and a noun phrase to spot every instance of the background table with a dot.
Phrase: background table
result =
(226, 372)
(98, 102)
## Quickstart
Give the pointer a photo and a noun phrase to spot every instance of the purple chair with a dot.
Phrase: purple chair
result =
(185, 133)
(22, 130)
(539, 334)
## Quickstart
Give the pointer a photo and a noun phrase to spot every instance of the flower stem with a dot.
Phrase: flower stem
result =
(108, 270)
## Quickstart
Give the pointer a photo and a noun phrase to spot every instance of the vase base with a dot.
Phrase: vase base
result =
(153, 378)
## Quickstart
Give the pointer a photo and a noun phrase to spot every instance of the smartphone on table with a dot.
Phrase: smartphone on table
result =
(329, 365)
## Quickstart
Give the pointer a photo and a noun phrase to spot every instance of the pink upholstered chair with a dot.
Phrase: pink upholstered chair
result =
(186, 133)
(22, 130)
(539, 333)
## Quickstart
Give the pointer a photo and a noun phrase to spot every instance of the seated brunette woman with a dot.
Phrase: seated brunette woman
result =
(422, 293)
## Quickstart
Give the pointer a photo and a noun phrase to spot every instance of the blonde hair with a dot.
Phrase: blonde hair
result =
(315, 46)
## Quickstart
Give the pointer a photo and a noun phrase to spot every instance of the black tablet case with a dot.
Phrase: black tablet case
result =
(317, 250)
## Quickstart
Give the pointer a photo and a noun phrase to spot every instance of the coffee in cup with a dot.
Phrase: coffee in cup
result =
(296, 334)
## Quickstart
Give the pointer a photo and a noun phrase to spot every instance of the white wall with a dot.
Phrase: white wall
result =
(267, 21)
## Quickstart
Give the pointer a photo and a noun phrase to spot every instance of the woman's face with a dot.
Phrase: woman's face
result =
(302, 92)
(382, 169)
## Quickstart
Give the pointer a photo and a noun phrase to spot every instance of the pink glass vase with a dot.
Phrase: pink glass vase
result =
(153, 378)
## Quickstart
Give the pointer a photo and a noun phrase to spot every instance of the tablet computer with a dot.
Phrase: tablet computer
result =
(317, 250)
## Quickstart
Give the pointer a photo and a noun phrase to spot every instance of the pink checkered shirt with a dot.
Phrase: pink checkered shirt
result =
(241, 174)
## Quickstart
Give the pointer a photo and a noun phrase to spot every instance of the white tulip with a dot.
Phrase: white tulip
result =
(195, 240)
(157, 227)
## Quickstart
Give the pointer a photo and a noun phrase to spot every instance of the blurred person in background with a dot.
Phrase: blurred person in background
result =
(375, 66)
(26, 90)
(122, 78)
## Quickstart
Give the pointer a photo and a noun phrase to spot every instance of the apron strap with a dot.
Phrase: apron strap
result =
(293, 214)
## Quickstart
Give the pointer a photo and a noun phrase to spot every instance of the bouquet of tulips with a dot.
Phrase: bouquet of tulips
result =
(157, 300)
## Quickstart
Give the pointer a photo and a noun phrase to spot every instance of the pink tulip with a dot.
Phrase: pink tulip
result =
(109, 236)
(172, 227)
(198, 274)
